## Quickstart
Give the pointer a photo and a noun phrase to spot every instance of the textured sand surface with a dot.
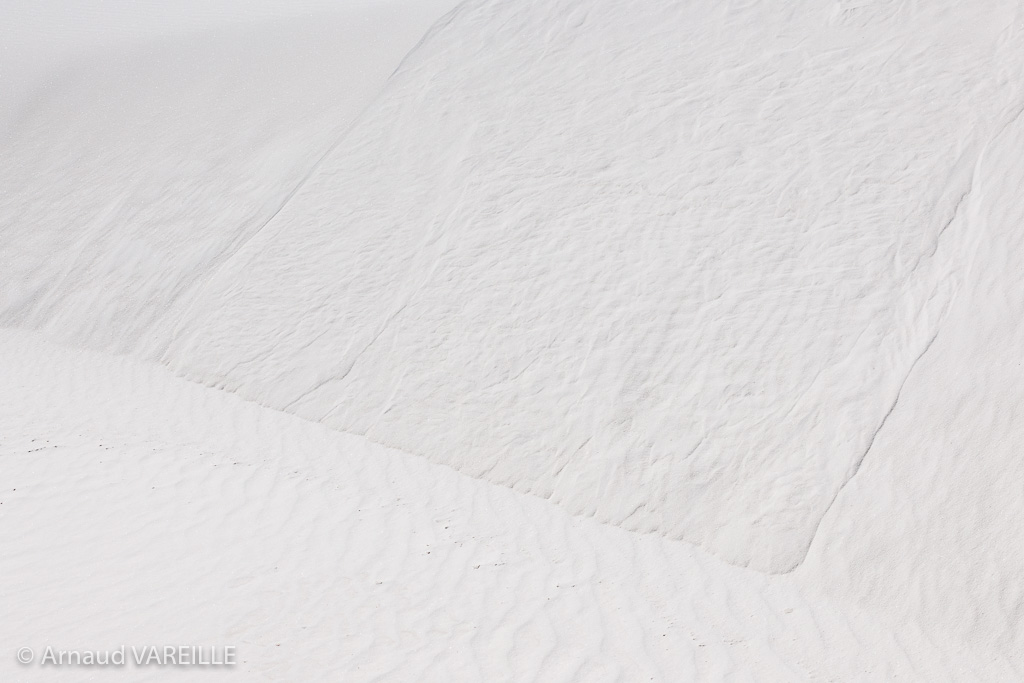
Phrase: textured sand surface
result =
(643, 272)
(561, 341)
(613, 257)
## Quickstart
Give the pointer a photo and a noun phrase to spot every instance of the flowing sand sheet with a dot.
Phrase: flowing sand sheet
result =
(686, 268)
(669, 266)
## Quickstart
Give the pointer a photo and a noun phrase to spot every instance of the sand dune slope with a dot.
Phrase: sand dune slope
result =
(667, 266)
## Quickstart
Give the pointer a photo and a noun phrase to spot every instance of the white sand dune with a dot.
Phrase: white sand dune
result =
(745, 278)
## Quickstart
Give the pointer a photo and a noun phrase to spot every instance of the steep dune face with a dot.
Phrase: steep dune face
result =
(667, 265)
